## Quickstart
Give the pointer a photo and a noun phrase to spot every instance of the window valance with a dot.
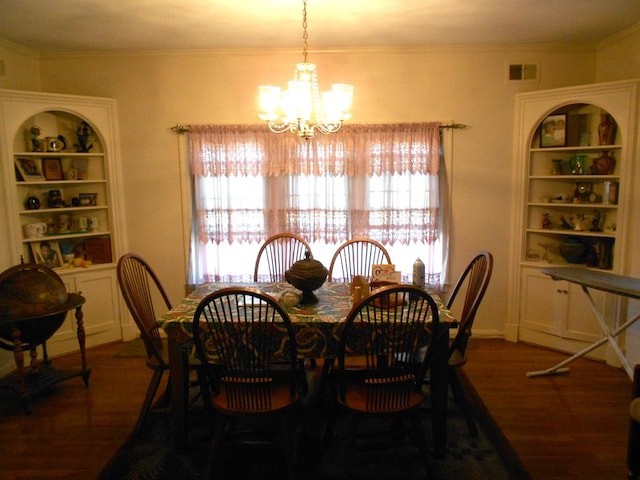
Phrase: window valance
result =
(356, 150)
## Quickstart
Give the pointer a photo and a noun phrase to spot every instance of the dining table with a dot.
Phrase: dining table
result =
(317, 329)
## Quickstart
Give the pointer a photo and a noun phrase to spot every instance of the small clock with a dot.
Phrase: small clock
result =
(583, 191)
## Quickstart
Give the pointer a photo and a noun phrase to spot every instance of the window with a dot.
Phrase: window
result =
(376, 181)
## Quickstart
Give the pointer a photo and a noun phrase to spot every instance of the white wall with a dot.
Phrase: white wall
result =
(467, 85)
(619, 58)
(156, 91)
(20, 67)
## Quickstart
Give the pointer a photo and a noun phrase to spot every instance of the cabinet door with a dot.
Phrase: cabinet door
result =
(101, 311)
(544, 303)
(557, 314)
(581, 322)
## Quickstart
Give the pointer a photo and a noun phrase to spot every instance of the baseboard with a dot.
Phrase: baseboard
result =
(487, 333)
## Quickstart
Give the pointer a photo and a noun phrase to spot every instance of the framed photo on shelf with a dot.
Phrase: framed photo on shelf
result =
(88, 199)
(553, 132)
(52, 168)
(29, 169)
(47, 253)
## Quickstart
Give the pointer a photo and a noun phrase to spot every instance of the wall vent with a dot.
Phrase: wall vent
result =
(522, 72)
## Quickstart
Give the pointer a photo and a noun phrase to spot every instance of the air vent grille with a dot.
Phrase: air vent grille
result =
(518, 72)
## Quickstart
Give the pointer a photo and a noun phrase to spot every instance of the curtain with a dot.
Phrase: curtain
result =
(377, 181)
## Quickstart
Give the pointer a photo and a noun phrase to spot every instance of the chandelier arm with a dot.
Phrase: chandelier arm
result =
(326, 128)
(282, 127)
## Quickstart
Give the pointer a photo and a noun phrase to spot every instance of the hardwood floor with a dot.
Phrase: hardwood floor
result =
(73, 432)
(571, 426)
(568, 426)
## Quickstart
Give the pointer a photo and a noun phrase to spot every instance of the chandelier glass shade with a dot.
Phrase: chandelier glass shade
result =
(301, 108)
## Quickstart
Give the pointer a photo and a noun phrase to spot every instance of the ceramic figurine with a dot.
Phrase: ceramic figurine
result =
(564, 224)
(546, 222)
(578, 223)
(595, 223)
(83, 133)
(34, 133)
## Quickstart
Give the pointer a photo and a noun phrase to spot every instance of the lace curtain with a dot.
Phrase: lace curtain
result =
(376, 181)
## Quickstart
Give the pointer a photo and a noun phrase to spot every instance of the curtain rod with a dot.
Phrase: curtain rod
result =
(182, 129)
(454, 126)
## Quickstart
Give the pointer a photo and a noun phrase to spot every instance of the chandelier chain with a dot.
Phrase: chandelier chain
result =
(305, 35)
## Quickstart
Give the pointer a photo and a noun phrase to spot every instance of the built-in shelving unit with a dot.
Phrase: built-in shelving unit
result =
(61, 202)
(573, 188)
(572, 193)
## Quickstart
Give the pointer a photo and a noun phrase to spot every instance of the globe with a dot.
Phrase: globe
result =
(34, 300)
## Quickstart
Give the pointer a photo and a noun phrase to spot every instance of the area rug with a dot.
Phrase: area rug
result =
(150, 456)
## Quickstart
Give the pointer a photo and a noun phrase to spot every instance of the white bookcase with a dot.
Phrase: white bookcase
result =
(572, 207)
(67, 198)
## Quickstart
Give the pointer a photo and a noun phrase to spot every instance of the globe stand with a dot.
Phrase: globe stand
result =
(34, 305)
(40, 375)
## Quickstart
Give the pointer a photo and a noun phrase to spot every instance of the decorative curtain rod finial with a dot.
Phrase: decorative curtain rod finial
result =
(179, 129)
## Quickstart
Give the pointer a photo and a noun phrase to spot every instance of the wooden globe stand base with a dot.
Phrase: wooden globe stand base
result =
(41, 375)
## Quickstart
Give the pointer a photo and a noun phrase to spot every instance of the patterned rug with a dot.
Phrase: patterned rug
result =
(149, 456)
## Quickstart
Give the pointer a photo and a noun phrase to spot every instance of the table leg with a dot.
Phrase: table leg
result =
(439, 392)
(80, 333)
(179, 381)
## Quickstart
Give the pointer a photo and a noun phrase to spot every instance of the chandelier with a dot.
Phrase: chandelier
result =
(302, 109)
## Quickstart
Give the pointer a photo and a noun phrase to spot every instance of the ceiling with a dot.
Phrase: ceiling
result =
(65, 26)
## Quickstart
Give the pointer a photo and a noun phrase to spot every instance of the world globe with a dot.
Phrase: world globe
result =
(34, 300)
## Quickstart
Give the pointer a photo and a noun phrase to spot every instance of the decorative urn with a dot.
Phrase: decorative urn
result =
(307, 275)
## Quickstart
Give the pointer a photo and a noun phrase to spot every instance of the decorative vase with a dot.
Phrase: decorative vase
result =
(573, 249)
(605, 164)
(606, 129)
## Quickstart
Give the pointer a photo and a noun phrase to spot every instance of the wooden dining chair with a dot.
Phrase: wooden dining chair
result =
(355, 257)
(389, 326)
(464, 301)
(143, 292)
(252, 372)
(279, 252)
